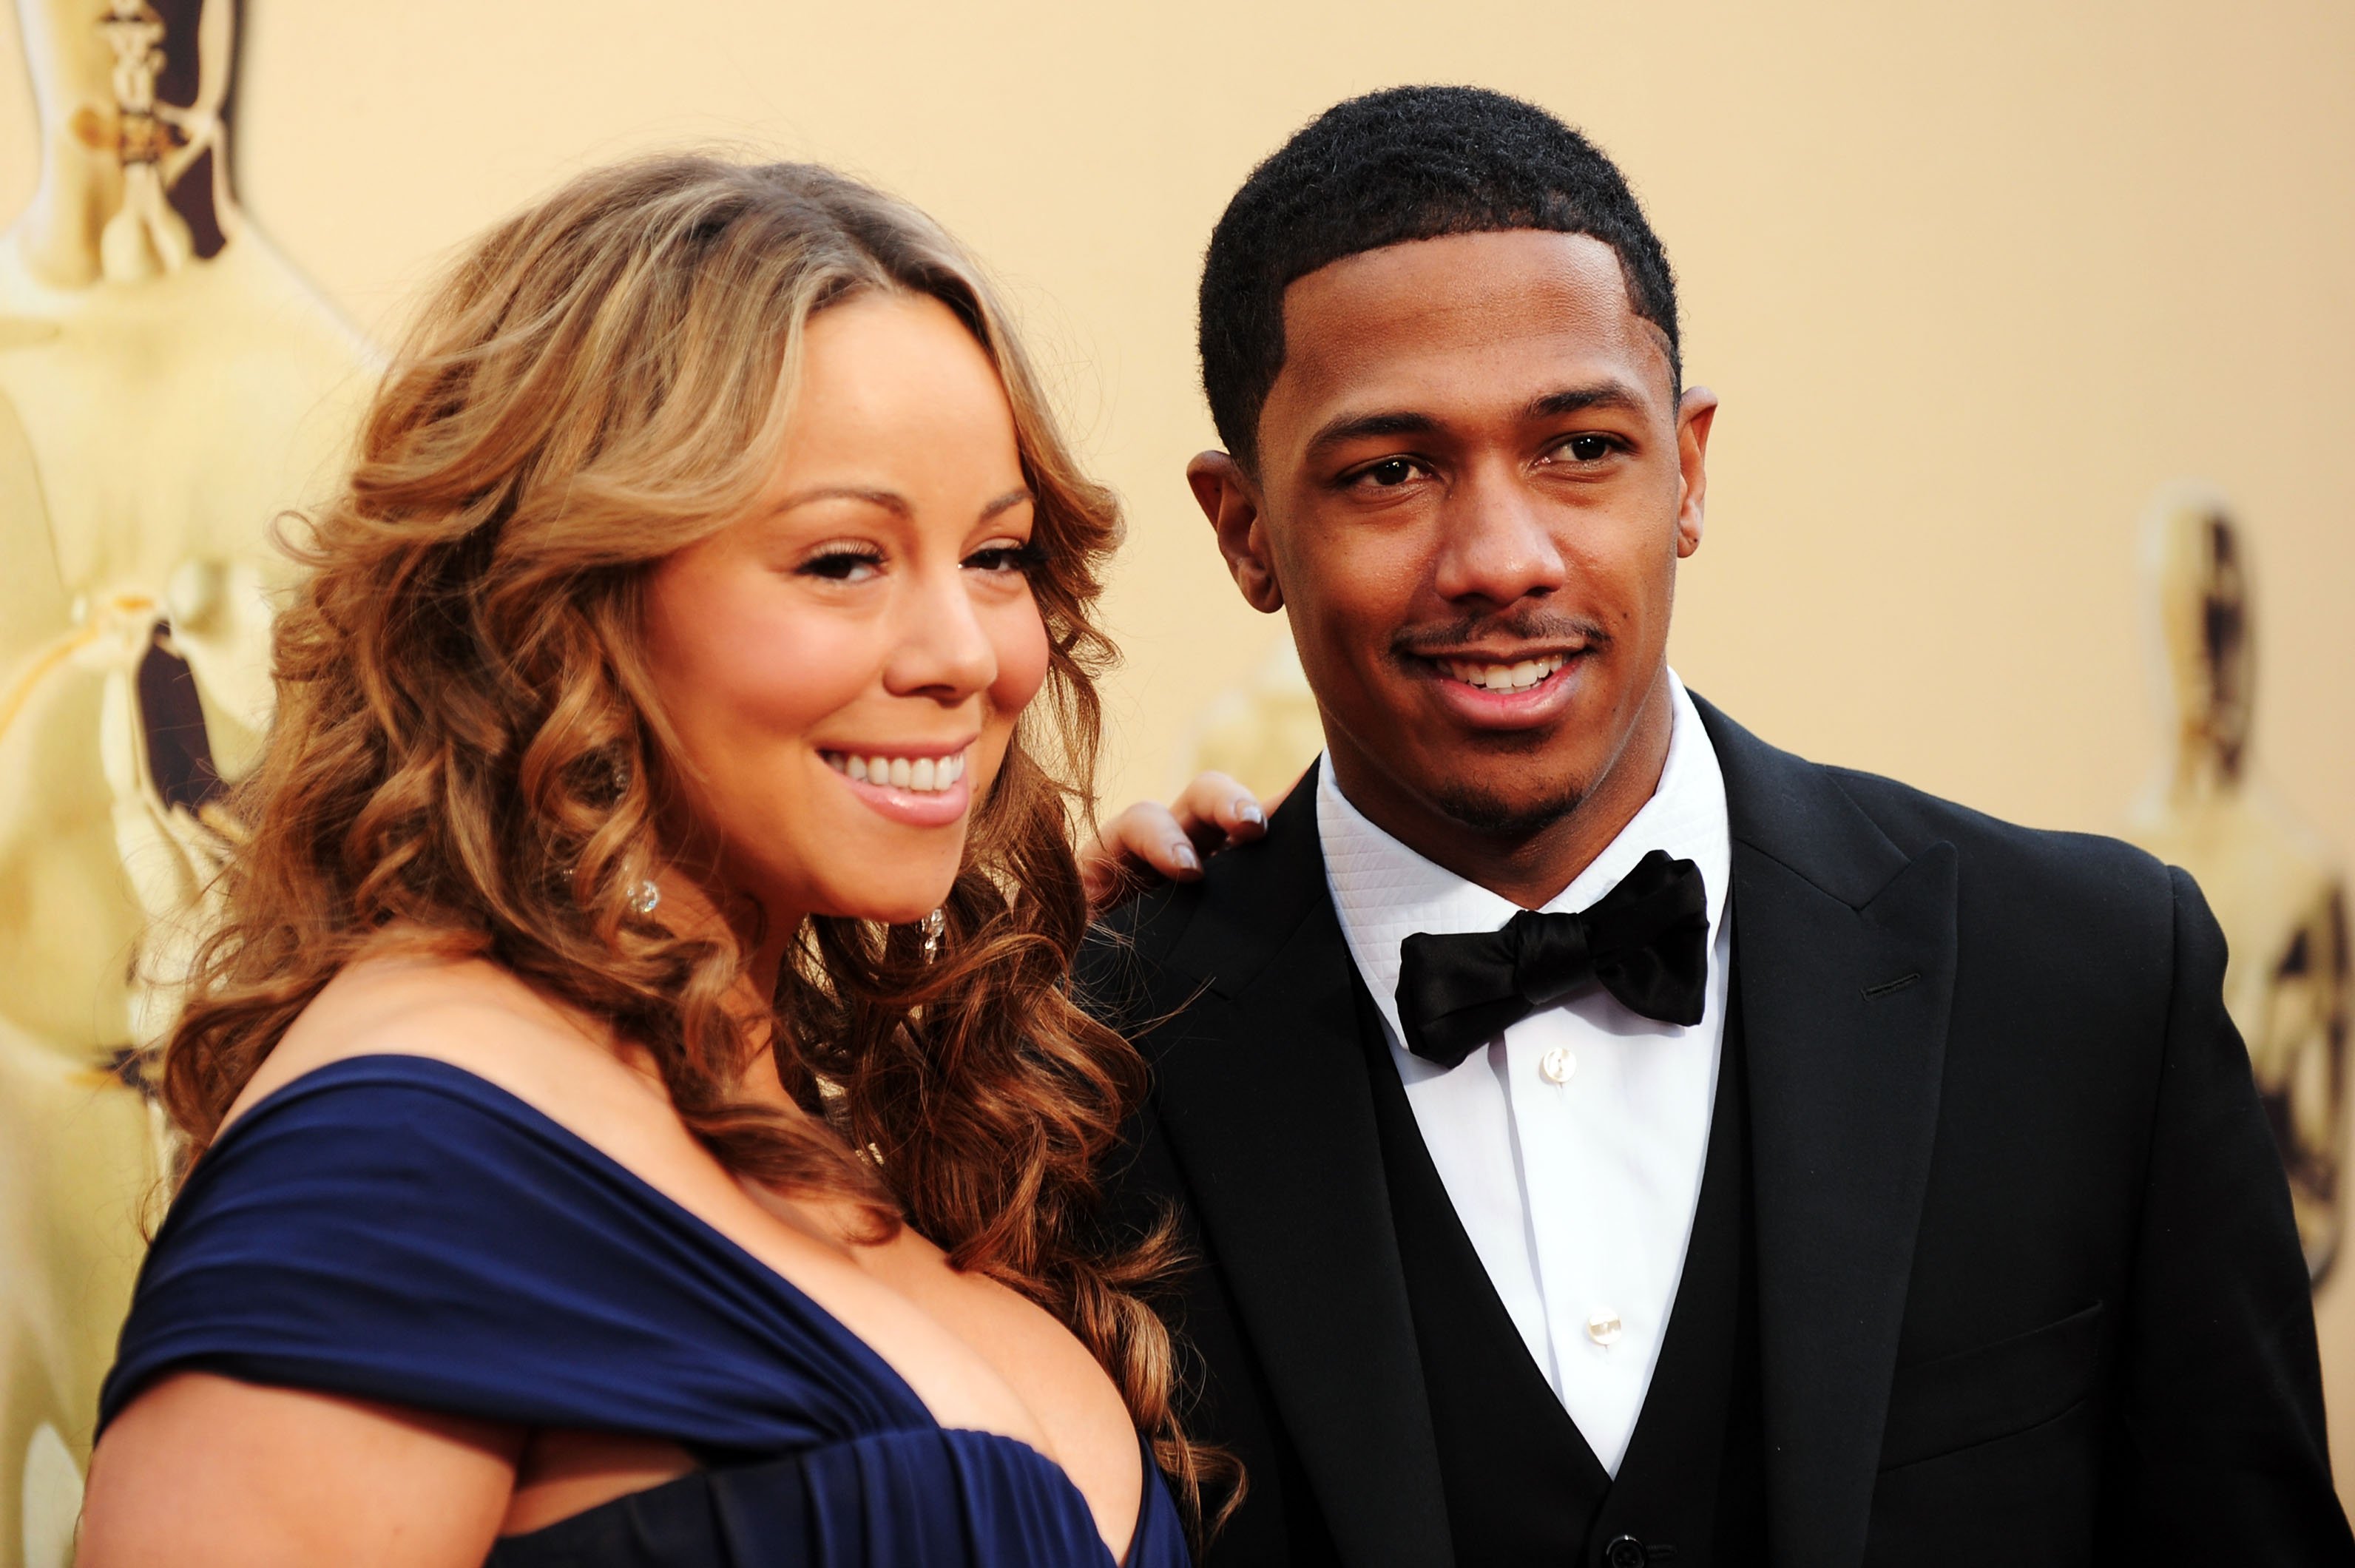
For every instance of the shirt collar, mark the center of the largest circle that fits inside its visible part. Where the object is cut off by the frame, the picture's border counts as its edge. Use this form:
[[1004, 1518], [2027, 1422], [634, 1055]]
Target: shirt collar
[[1384, 892]]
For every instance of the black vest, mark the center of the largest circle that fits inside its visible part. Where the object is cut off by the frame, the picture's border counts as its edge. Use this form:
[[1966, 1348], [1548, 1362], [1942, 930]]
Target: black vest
[[1522, 1487]]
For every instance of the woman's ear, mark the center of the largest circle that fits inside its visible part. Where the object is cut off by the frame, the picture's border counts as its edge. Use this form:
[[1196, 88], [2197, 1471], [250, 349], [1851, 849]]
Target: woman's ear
[[1231, 501]]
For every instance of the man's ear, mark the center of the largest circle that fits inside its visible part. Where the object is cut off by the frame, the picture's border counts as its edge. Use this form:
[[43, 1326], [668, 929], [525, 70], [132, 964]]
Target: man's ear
[[1231, 501], [1696, 412]]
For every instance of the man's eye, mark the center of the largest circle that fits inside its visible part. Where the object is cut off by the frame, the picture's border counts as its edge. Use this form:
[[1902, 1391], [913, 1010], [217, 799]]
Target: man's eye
[[1586, 448], [1391, 473], [843, 565]]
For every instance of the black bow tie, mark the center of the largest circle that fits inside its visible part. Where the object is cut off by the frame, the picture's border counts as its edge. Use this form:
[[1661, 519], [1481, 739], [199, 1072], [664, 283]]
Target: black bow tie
[[1646, 941]]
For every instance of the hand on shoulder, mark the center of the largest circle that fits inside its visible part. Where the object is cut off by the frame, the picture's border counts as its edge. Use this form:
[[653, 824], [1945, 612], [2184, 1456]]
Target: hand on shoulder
[[1149, 842]]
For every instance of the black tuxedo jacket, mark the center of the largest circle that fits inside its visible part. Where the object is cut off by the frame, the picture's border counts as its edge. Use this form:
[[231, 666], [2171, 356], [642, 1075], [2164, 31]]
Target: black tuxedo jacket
[[2027, 1287]]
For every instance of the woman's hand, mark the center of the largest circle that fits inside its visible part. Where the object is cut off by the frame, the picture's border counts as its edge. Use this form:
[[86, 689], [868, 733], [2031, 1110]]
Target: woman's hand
[[1151, 843]]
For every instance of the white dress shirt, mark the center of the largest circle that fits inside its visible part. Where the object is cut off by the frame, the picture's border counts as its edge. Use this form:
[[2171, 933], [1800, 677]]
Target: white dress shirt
[[1573, 1146]]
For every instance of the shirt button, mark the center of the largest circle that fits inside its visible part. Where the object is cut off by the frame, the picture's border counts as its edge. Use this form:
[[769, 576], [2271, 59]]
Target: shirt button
[[1626, 1552], [1558, 1065], [1604, 1328]]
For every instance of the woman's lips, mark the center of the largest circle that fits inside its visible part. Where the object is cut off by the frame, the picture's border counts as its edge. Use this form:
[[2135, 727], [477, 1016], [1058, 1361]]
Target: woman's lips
[[922, 790]]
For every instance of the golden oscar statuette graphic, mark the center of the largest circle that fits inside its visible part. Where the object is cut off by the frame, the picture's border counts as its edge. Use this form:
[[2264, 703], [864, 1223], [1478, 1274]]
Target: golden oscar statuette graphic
[[2277, 891], [168, 386]]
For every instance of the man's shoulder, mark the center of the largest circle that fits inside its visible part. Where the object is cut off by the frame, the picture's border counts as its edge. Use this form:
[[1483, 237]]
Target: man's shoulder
[[1121, 972], [1148, 927], [2074, 891], [1796, 809], [1163, 949], [2082, 898], [1915, 819]]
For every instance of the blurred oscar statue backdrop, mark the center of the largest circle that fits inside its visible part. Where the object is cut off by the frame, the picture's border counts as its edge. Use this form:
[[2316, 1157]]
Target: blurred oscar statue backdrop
[[2031, 324], [2275, 884], [167, 383]]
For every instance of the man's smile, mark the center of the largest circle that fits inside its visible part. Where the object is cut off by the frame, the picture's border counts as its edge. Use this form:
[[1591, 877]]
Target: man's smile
[[1502, 676], [1525, 691]]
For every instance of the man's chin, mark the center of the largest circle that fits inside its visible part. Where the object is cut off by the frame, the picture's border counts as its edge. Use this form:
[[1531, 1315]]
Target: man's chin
[[1499, 814]]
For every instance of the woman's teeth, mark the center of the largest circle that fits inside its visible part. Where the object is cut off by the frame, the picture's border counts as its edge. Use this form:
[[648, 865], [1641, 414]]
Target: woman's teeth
[[1504, 676], [925, 776]]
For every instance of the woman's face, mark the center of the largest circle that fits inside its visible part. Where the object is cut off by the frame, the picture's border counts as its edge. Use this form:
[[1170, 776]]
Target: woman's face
[[843, 664]]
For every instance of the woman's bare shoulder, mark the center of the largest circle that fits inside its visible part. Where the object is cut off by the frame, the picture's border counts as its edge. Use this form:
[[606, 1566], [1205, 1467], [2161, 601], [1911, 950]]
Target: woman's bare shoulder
[[482, 1019], [476, 1016], [203, 1470]]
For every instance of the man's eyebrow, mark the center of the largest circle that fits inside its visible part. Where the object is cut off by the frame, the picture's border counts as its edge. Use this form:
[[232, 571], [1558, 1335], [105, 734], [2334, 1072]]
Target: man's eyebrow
[[1358, 427], [1346, 428], [1614, 395]]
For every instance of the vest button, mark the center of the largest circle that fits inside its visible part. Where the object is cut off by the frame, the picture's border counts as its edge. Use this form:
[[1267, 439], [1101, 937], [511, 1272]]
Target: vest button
[[1626, 1552]]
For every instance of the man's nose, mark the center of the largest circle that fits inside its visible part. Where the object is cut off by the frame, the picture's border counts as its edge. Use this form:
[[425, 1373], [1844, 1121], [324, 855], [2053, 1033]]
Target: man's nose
[[944, 650], [1495, 548]]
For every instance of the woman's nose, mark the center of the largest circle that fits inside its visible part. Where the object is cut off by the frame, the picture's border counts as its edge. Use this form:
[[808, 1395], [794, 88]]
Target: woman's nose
[[944, 650]]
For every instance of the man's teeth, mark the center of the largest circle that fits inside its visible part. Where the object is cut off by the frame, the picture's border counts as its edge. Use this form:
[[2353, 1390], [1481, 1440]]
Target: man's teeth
[[925, 776], [1505, 676]]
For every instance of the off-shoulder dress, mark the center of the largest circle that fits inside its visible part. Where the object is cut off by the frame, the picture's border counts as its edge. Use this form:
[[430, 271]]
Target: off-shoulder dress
[[397, 1229]]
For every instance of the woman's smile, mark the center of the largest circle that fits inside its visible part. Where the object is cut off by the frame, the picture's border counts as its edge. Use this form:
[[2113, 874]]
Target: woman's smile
[[922, 786]]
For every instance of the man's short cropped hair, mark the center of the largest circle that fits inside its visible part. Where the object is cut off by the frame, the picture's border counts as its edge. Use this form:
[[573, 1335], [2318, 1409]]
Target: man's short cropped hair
[[1408, 163]]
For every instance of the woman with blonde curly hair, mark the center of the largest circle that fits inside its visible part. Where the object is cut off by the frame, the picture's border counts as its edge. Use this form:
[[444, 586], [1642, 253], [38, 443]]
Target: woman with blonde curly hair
[[638, 1111]]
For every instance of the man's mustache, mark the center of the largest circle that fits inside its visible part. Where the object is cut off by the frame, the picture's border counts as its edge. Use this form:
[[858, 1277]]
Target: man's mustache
[[1523, 626]]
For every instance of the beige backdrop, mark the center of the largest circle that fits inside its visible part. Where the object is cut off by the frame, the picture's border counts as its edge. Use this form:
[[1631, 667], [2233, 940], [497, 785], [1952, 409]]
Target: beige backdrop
[[1972, 281]]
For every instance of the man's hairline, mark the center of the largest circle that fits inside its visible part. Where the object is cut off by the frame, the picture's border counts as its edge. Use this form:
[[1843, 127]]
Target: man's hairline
[[1670, 347]]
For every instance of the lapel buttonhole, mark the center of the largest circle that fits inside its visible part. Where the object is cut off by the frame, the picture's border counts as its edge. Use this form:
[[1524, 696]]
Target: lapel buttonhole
[[1889, 987]]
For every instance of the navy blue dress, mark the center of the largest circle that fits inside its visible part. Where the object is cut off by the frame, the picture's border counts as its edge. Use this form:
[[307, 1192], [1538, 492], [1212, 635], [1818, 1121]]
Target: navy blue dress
[[394, 1228]]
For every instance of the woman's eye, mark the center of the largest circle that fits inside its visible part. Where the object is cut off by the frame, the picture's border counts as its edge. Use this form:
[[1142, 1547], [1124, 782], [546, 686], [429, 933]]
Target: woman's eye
[[1006, 557], [1586, 448], [1390, 472], [843, 565]]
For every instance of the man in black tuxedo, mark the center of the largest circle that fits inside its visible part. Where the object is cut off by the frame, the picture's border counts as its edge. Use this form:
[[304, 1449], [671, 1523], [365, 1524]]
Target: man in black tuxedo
[[1608, 1138]]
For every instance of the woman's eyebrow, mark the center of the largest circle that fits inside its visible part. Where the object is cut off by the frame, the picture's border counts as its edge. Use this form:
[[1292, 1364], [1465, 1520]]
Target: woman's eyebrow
[[889, 500], [1013, 498]]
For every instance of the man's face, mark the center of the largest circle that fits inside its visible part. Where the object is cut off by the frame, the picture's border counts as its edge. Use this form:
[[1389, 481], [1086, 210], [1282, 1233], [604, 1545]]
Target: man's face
[[1474, 487]]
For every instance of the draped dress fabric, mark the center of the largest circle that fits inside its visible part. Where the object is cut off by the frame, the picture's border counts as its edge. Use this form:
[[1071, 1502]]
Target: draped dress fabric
[[396, 1229]]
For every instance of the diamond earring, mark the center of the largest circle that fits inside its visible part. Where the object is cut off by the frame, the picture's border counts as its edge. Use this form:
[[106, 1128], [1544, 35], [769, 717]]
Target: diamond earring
[[646, 900], [931, 926]]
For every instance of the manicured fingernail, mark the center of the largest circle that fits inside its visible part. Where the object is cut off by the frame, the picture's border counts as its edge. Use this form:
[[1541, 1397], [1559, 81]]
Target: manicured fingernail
[[1184, 855], [1249, 811]]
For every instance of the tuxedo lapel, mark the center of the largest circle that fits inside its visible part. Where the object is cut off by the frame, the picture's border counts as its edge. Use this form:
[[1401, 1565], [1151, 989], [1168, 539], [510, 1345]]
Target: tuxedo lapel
[[1845, 953], [1262, 1092]]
